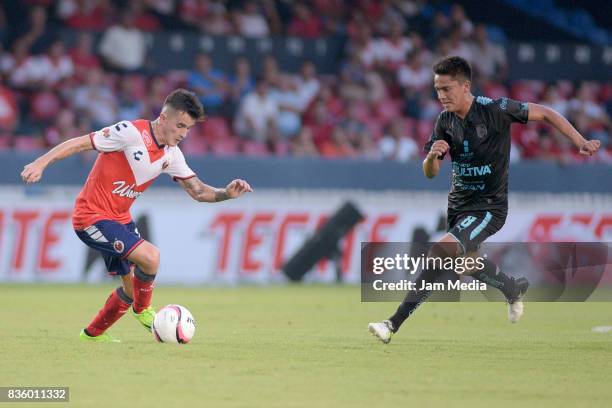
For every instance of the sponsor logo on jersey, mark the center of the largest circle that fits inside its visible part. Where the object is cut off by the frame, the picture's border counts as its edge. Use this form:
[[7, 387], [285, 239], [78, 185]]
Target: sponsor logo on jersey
[[475, 187], [165, 165], [147, 138], [466, 150], [472, 171], [125, 190], [137, 155], [118, 246]]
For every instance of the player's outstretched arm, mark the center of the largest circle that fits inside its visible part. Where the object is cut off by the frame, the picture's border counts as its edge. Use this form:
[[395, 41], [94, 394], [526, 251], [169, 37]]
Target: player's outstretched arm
[[431, 164], [206, 194], [556, 120], [33, 172]]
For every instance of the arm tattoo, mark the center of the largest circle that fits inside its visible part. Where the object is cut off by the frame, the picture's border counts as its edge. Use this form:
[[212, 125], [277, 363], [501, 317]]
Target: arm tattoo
[[194, 187], [204, 193], [221, 195]]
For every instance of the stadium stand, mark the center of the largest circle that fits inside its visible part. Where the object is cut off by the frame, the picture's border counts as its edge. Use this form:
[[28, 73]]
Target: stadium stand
[[64, 73]]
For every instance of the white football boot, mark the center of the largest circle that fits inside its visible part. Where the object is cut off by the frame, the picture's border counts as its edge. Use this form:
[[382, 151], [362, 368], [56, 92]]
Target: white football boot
[[515, 305], [515, 311], [382, 330]]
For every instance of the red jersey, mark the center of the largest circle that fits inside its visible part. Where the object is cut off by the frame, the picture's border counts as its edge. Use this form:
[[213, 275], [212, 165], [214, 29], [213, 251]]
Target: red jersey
[[130, 159]]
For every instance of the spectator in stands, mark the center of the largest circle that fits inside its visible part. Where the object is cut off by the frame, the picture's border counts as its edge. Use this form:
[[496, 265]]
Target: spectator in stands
[[164, 11], [143, 19], [157, 89], [333, 14], [258, 111], [129, 105], [290, 107], [353, 78], [590, 116], [302, 144], [241, 81], [96, 99], [488, 59], [442, 49], [208, 83], [274, 143], [83, 57], [250, 22], [363, 80], [63, 128], [123, 45], [271, 72], [216, 22], [414, 76], [308, 85], [28, 70], [365, 146], [322, 122], [354, 123], [39, 33], [194, 12], [460, 20], [584, 106], [458, 46], [44, 104], [552, 98], [9, 111], [365, 46], [7, 62], [57, 64], [528, 141], [357, 82], [440, 27], [338, 146], [304, 22], [331, 102], [418, 45], [393, 49], [85, 14], [397, 144], [390, 14]]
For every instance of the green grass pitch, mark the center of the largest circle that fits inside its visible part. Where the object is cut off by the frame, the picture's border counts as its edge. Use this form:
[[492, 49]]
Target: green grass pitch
[[307, 346]]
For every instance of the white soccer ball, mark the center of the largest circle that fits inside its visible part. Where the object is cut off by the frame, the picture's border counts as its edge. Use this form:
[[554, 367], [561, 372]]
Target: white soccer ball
[[173, 324]]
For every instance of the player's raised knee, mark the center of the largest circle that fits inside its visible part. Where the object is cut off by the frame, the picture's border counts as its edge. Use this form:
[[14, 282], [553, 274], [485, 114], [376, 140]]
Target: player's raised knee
[[146, 256], [151, 258], [443, 250]]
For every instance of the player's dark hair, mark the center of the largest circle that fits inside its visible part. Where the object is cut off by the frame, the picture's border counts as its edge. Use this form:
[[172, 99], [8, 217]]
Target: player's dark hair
[[186, 101], [456, 67]]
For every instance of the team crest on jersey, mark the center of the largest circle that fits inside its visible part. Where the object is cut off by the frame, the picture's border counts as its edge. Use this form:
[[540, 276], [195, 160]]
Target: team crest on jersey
[[147, 138], [118, 246], [106, 132], [165, 165], [481, 130]]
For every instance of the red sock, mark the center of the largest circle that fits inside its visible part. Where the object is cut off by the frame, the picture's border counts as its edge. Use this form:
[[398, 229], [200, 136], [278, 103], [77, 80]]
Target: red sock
[[116, 305], [143, 290]]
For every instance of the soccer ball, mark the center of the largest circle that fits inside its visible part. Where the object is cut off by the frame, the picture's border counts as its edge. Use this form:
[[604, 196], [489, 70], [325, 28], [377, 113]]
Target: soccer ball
[[173, 324]]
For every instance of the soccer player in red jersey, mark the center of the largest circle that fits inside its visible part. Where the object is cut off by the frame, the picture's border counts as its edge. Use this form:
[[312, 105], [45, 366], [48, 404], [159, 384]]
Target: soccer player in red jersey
[[132, 155]]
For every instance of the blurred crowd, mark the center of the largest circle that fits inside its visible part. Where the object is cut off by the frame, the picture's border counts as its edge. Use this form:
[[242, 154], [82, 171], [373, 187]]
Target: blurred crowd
[[379, 106]]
